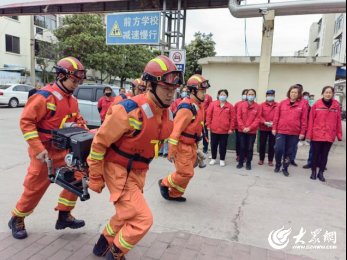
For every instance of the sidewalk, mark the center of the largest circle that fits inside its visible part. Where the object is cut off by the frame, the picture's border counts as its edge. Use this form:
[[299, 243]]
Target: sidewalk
[[154, 246]]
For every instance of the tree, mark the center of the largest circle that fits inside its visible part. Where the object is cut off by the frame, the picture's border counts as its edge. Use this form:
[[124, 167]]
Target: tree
[[45, 53], [84, 37], [201, 47]]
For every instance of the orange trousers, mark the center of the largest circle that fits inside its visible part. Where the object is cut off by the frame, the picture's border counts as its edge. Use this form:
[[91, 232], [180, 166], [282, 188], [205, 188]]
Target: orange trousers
[[133, 217], [36, 183], [184, 162]]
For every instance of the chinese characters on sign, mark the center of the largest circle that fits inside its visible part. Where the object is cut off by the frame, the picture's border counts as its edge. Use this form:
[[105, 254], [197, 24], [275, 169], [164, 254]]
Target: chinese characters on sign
[[133, 28]]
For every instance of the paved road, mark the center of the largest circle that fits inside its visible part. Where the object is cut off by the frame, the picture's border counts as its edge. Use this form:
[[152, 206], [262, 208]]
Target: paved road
[[233, 206]]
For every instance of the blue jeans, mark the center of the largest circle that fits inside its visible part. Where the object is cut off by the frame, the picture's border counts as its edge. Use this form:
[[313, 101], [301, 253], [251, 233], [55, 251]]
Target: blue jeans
[[295, 152], [165, 149], [284, 148]]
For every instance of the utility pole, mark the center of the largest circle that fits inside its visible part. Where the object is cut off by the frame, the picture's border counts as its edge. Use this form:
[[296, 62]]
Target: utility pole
[[32, 51], [266, 52]]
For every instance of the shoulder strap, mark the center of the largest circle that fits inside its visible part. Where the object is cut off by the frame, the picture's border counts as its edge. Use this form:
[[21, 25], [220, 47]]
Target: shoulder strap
[[44, 93], [187, 106], [129, 105]]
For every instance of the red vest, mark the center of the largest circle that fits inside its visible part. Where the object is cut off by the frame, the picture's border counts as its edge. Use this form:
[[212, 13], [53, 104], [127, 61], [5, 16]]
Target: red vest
[[63, 109], [137, 151], [192, 134]]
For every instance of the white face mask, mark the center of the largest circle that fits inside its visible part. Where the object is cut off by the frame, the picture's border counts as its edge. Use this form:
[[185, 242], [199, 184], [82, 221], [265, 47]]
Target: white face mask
[[244, 97], [223, 98], [270, 98]]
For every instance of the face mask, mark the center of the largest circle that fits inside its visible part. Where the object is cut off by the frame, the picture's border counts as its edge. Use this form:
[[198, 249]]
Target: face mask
[[311, 102], [184, 94], [108, 94], [306, 97], [270, 99], [244, 97], [250, 98], [223, 98]]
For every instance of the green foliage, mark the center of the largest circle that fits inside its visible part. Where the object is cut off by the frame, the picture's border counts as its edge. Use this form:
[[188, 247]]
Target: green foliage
[[201, 47], [84, 37]]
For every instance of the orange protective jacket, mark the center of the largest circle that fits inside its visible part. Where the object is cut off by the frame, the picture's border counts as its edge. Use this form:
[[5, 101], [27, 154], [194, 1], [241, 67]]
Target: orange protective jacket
[[189, 122], [138, 129], [50, 108]]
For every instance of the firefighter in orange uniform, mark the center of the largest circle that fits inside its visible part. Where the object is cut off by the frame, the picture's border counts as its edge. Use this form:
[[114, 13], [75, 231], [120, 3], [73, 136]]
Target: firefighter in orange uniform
[[188, 127], [122, 150], [49, 108]]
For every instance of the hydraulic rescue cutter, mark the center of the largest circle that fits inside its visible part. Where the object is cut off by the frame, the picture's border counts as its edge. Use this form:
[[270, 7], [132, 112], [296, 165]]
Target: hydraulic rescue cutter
[[78, 142]]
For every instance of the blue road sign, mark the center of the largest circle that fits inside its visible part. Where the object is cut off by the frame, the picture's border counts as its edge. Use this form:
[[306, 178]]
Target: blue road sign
[[133, 28]]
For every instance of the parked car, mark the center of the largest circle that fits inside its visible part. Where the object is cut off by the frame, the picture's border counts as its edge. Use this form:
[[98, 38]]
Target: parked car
[[87, 96], [14, 95]]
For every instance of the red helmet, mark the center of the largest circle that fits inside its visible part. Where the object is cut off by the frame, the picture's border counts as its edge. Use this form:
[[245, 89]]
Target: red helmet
[[162, 70], [198, 82], [140, 84], [71, 67]]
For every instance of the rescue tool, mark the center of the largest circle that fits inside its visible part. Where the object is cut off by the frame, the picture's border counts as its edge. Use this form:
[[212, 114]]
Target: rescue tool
[[78, 142]]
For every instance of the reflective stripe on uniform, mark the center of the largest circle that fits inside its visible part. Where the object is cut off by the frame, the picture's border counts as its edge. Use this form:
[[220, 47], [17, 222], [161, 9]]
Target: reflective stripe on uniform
[[148, 111], [110, 230], [156, 148], [161, 64], [18, 213], [96, 156], [66, 118], [31, 135], [171, 115], [137, 125], [197, 78], [51, 106], [66, 202], [172, 141], [124, 243], [180, 189]]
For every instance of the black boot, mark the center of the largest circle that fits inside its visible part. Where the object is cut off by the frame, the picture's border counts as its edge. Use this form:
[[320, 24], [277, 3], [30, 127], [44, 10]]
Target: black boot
[[16, 224], [164, 191], [115, 253], [101, 247], [285, 172], [321, 176], [248, 166], [307, 166], [277, 168], [239, 166], [314, 174], [66, 220]]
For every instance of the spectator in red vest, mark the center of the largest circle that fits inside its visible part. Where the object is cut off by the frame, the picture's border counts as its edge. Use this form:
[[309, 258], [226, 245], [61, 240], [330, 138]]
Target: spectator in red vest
[[220, 122], [323, 129], [266, 121], [105, 102], [183, 94], [290, 124], [248, 118]]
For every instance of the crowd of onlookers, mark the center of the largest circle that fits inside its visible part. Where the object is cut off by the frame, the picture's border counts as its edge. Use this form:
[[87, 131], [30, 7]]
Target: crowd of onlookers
[[279, 126]]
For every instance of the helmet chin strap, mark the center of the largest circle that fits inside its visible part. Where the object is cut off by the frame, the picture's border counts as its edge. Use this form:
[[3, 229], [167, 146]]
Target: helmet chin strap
[[154, 92], [195, 94], [63, 88]]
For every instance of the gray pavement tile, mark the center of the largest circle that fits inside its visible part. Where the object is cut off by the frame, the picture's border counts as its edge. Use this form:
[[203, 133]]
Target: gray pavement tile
[[61, 254], [31, 250], [156, 250], [166, 237], [54, 247], [276, 255], [137, 253], [195, 242], [83, 252], [258, 253], [168, 256], [8, 252], [188, 254], [148, 240], [48, 239]]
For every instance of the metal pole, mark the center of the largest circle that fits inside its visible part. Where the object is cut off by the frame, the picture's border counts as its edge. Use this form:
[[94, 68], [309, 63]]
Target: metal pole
[[179, 4], [184, 25], [32, 51], [163, 29], [266, 52]]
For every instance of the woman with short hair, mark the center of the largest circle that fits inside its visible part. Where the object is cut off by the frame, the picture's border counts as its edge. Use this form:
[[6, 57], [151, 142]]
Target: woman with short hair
[[323, 129], [290, 124], [220, 122]]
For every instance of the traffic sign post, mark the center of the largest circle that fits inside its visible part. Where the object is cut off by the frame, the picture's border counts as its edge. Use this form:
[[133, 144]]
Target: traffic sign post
[[133, 28], [179, 58]]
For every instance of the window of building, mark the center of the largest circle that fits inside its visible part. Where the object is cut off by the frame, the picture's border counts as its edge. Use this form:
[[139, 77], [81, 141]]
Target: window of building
[[39, 31], [339, 23], [337, 47], [12, 44], [45, 50], [14, 17], [46, 21]]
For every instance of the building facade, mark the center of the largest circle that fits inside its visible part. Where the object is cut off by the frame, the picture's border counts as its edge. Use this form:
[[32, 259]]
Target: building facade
[[16, 42]]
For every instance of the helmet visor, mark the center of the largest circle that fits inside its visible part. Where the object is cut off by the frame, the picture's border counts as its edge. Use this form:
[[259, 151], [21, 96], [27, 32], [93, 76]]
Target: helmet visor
[[80, 74], [173, 78], [205, 84]]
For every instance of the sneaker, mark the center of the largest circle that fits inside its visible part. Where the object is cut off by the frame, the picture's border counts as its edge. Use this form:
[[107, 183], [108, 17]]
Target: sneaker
[[261, 162], [222, 163], [212, 162]]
